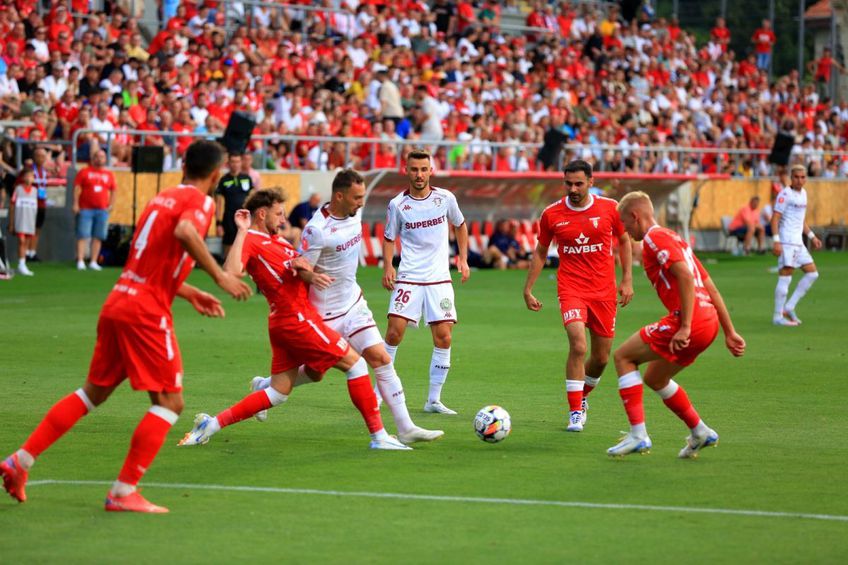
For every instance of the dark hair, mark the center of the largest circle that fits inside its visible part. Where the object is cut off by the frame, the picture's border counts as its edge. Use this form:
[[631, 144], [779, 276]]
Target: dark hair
[[346, 179], [264, 198], [202, 158], [418, 154], [578, 165]]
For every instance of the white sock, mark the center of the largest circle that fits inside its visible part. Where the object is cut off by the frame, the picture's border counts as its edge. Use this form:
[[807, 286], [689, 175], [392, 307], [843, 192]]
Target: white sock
[[439, 367], [30, 254], [780, 292], [592, 381], [392, 391], [25, 458], [22, 262], [668, 390], [701, 429], [213, 427], [801, 289], [121, 489], [638, 430], [275, 397], [359, 369], [391, 350], [380, 434]]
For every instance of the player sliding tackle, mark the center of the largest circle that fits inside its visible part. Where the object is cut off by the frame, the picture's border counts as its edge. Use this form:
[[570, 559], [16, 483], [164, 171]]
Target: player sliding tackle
[[331, 242], [695, 310], [298, 334], [135, 335]]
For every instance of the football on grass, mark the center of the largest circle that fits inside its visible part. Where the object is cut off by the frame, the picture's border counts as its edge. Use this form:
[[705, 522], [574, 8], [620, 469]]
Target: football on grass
[[492, 424]]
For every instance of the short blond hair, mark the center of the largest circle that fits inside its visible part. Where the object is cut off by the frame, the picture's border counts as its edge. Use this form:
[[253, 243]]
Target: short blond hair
[[633, 199], [801, 168]]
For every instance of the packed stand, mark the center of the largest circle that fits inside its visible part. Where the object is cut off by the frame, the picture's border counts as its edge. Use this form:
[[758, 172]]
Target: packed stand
[[442, 71]]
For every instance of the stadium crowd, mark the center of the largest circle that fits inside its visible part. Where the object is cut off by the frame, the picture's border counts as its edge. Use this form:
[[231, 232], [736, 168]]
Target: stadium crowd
[[430, 71]]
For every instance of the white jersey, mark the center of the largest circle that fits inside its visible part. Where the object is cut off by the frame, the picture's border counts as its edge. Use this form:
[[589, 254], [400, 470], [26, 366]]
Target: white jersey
[[422, 225], [332, 245], [792, 205]]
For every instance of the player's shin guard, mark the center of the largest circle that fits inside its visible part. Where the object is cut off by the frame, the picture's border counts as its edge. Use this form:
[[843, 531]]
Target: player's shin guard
[[803, 286], [58, 420], [250, 405], [589, 384], [362, 396], [678, 402], [146, 441], [391, 390], [780, 292], [440, 364], [574, 392], [630, 391]]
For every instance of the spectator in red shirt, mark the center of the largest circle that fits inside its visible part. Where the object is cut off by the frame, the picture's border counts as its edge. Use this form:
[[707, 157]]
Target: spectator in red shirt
[[764, 40], [94, 190], [720, 34], [822, 68]]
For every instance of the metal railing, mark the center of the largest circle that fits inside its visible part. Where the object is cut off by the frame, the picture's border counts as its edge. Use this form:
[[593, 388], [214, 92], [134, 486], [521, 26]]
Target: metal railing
[[610, 158]]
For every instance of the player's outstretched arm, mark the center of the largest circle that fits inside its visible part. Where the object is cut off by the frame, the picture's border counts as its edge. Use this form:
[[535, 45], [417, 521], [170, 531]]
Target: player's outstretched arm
[[205, 303], [686, 287], [625, 253], [389, 273], [734, 342], [536, 264], [187, 235], [462, 246], [233, 263], [777, 247]]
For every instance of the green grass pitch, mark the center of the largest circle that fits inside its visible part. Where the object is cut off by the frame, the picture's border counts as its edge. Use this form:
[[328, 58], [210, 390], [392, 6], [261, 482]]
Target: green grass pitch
[[780, 411]]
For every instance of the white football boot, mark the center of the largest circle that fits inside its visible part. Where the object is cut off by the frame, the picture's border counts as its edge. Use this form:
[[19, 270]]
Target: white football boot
[[630, 444], [436, 407], [390, 443], [575, 421], [417, 434], [199, 434], [694, 444]]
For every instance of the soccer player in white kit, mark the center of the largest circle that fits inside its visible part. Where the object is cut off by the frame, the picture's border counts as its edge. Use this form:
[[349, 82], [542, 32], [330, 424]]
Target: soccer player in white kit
[[788, 225], [331, 241], [419, 216]]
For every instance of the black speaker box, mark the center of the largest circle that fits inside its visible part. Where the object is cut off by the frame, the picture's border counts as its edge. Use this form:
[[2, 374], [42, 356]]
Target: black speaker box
[[781, 150], [148, 158], [238, 132]]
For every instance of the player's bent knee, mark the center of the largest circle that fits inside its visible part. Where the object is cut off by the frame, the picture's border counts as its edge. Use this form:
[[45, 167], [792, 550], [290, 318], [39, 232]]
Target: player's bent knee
[[376, 356]]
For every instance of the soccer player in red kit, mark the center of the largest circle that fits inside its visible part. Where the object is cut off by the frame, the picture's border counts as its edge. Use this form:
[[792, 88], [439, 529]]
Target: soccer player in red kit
[[135, 332], [585, 228], [695, 310], [298, 334]]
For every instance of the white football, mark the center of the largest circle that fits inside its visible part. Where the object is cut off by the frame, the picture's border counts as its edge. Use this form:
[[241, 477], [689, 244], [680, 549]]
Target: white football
[[492, 424]]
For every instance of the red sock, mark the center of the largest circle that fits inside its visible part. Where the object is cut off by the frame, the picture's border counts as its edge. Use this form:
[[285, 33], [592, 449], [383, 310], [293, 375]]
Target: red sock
[[680, 405], [58, 420], [632, 399], [587, 388], [249, 405], [575, 400], [146, 441], [365, 400]]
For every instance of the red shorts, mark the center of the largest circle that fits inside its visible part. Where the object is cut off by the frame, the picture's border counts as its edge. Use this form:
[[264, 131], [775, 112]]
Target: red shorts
[[299, 340], [145, 350], [658, 337], [598, 315]]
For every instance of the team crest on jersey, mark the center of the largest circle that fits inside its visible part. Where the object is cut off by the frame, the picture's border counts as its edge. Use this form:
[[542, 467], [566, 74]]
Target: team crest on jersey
[[581, 239], [446, 304], [662, 256], [595, 220], [437, 202]]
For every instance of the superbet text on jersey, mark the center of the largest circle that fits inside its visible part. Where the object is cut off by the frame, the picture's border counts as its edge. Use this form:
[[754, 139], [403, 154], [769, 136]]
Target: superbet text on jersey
[[422, 225], [584, 238], [333, 243]]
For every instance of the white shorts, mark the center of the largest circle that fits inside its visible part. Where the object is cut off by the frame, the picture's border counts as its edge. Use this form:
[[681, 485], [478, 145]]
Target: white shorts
[[794, 256], [357, 326], [435, 301]]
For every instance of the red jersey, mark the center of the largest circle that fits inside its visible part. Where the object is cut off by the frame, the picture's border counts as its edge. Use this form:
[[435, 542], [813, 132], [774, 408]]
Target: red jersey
[[267, 260], [95, 185], [585, 245], [763, 40], [662, 248], [158, 264]]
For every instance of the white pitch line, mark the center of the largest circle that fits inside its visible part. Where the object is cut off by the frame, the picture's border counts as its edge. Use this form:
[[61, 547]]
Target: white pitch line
[[480, 500]]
